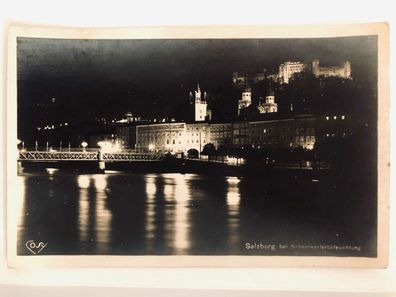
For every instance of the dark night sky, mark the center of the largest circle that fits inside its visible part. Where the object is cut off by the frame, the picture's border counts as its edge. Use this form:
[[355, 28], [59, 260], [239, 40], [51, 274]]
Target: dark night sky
[[109, 77]]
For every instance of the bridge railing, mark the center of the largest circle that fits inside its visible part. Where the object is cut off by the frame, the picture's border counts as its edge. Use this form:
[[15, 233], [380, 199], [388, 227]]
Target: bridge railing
[[86, 155]]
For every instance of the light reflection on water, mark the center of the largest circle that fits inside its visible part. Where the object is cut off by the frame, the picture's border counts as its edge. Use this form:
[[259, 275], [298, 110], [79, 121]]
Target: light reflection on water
[[233, 203], [150, 217], [182, 197], [174, 214], [103, 215], [20, 199], [164, 219], [93, 216], [83, 208]]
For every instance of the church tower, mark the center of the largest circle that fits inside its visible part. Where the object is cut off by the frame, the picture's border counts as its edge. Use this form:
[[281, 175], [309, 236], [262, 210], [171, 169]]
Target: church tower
[[269, 105], [200, 105], [246, 99]]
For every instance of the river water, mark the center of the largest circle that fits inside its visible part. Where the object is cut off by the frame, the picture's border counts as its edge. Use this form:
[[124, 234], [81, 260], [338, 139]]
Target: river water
[[180, 214]]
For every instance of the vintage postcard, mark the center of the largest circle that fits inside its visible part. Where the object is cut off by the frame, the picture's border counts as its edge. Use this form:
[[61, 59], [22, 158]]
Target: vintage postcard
[[198, 146]]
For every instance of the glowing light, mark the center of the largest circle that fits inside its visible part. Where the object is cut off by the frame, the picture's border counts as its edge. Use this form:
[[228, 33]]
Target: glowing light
[[83, 208], [335, 117], [181, 194], [51, 171], [327, 118], [84, 144], [343, 117], [151, 147], [100, 181], [109, 146], [233, 203], [19, 141], [232, 160], [168, 191], [151, 189], [102, 214], [83, 181]]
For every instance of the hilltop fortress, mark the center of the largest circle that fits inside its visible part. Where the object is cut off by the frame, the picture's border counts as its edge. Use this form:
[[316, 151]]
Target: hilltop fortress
[[288, 69]]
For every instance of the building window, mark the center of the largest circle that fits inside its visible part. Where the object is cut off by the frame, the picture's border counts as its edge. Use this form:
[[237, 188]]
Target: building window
[[343, 117], [197, 141], [173, 141]]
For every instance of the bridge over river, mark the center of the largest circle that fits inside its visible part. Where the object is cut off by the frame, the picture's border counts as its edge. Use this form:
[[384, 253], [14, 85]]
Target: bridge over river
[[84, 157]]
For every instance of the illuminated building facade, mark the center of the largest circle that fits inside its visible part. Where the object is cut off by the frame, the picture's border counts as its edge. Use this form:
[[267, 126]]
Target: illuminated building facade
[[297, 131], [288, 69], [199, 104], [344, 70], [163, 137], [246, 100], [269, 105], [197, 135]]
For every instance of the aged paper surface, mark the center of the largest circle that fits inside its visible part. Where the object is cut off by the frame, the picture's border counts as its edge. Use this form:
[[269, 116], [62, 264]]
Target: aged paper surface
[[32, 251]]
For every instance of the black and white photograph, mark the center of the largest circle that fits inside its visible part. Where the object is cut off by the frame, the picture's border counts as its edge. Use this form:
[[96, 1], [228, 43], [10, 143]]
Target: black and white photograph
[[197, 147]]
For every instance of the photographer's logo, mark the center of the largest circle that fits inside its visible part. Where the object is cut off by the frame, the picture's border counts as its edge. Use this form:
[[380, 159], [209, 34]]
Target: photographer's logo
[[35, 248]]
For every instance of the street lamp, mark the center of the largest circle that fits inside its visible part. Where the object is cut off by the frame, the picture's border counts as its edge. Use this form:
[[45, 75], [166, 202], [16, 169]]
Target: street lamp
[[19, 142], [84, 144]]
